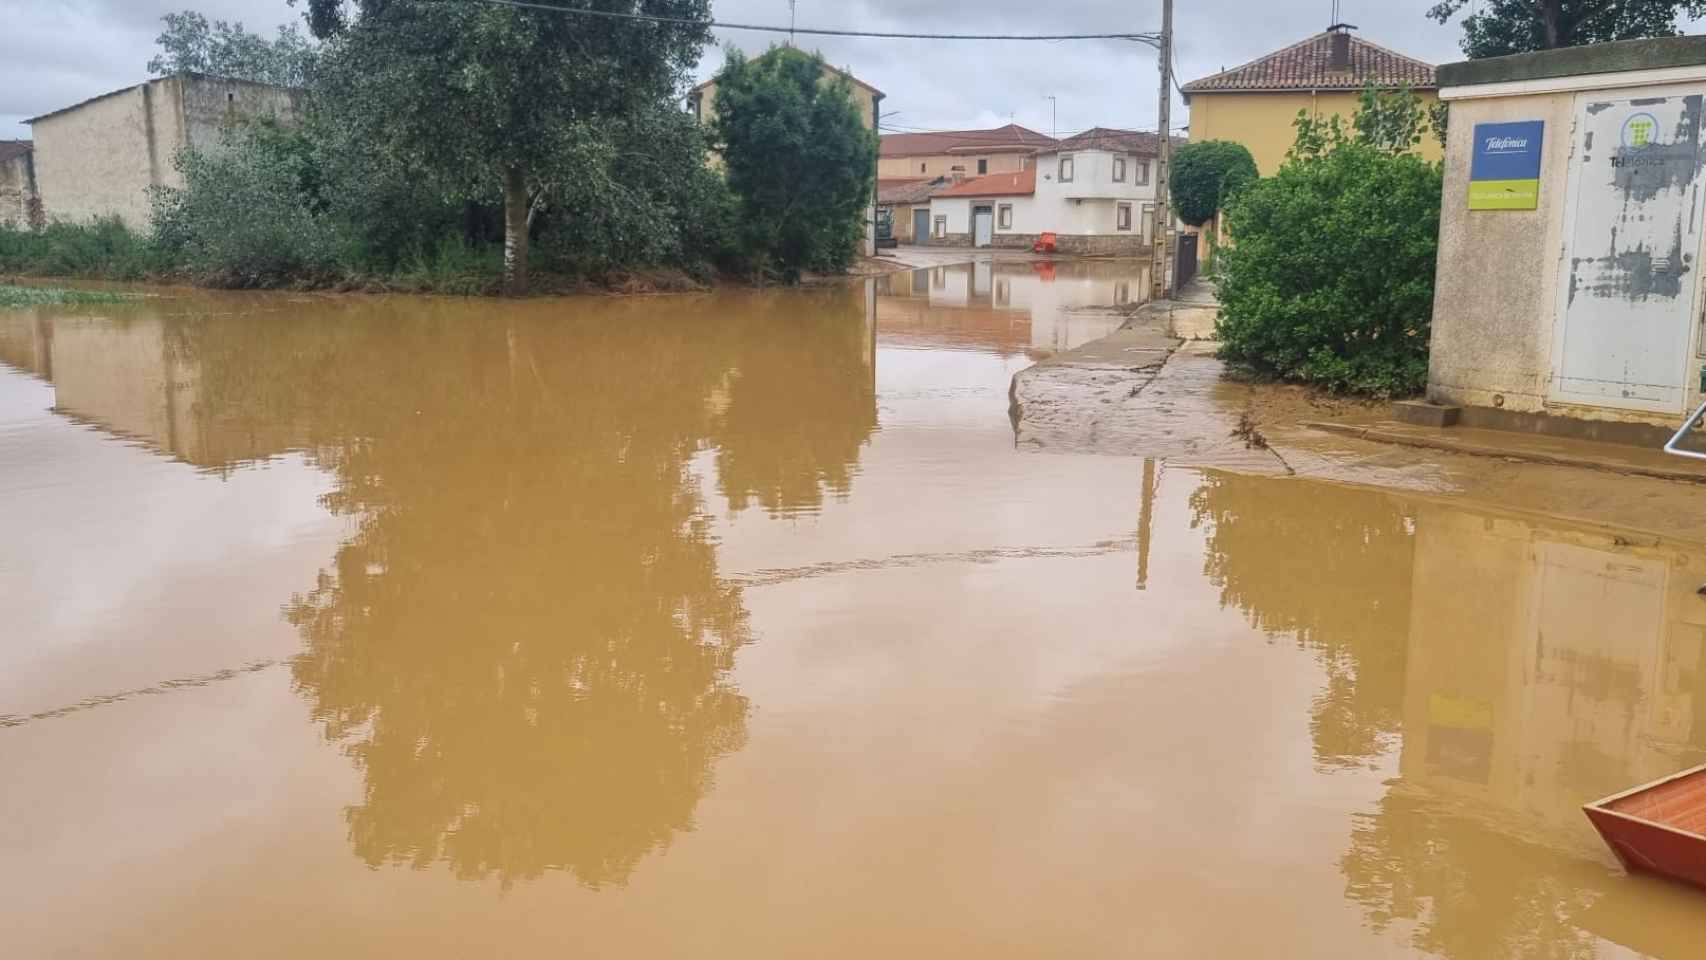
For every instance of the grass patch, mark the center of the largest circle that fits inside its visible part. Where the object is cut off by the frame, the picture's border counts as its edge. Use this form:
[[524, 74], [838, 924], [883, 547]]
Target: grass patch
[[12, 296]]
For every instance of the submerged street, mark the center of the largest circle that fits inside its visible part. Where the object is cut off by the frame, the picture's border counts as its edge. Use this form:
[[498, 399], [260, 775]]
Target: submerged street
[[752, 624]]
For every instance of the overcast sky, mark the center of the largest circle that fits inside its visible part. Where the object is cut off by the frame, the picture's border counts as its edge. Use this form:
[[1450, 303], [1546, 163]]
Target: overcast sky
[[56, 52]]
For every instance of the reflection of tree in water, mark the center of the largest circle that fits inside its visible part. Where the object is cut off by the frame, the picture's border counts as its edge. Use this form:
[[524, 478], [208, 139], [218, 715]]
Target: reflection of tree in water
[[525, 643], [1333, 571], [798, 407], [525, 646]]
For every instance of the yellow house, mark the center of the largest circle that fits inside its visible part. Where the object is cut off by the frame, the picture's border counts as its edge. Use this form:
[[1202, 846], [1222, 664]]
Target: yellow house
[[1257, 103]]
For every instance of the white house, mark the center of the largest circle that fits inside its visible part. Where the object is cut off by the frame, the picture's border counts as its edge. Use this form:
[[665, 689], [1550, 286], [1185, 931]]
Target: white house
[[1095, 192]]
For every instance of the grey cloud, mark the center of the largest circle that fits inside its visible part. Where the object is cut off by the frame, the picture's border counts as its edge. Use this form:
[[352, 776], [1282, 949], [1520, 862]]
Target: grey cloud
[[56, 52]]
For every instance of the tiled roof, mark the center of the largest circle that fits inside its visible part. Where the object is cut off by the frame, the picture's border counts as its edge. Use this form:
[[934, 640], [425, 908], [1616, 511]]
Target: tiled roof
[[1008, 139], [11, 149], [1116, 141], [1023, 183], [1307, 65], [908, 191]]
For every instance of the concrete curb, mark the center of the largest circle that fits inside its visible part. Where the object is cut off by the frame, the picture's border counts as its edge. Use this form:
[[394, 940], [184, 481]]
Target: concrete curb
[[1376, 434]]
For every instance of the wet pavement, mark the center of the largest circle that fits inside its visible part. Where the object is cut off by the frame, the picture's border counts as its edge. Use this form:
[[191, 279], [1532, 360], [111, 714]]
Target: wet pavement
[[750, 624]]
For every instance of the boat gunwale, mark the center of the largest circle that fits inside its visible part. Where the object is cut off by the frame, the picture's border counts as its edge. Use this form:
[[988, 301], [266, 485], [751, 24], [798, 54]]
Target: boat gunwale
[[1603, 805]]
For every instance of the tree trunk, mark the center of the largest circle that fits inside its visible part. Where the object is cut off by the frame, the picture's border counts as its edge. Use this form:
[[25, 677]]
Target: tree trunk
[[515, 232], [1552, 23]]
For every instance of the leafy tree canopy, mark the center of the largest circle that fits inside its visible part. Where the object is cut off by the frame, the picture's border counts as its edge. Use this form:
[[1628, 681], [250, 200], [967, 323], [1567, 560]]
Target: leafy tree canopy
[[1205, 173], [1501, 27], [799, 157], [193, 44], [484, 97]]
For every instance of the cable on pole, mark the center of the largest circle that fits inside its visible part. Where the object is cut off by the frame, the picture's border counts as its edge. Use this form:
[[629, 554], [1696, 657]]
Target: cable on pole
[[1152, 39]]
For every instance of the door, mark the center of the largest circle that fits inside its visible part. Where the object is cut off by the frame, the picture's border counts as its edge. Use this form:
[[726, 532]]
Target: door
[[983, 226], [920, 224], [1632, 226]]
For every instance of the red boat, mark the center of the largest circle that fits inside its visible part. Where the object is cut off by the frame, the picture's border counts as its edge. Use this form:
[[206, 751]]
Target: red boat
[[1659, 828]]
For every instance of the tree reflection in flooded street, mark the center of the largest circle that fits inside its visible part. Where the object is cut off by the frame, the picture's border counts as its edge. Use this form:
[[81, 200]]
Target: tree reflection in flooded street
[[735, 625]]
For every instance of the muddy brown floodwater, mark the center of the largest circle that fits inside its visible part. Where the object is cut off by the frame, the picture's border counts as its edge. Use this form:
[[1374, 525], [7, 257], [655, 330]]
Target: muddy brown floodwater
[[737, 625]]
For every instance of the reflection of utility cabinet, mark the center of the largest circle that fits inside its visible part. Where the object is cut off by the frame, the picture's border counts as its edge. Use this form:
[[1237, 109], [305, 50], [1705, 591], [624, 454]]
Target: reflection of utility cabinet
[[1547, 666]]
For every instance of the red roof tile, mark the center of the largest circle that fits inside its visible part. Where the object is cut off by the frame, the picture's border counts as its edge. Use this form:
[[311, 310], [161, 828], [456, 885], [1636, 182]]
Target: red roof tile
[[1023, 183], [1009, 139], [1307, 65]]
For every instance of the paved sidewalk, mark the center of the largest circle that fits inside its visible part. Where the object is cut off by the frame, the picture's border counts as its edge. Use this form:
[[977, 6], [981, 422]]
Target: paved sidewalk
[[1145, 391]]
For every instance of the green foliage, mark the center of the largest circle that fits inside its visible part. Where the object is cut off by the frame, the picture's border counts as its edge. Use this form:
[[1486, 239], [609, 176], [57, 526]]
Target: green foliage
[[635, 191], [475, 98], [13, 296], [191, 43], [242, 217], [1499, 27], [1205, 174], [1395, 121], [103, 248], [1330, 275], [799, 158]]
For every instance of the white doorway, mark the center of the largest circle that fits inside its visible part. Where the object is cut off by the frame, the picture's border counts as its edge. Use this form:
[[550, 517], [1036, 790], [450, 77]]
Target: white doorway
[[1632, 228], [983, 226]]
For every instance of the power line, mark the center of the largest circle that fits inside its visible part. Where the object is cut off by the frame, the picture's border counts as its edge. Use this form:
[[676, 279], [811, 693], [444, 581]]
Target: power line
[[1150, 38]]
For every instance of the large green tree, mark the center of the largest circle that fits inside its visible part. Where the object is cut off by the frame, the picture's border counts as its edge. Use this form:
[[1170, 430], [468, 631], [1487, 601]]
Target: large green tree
[[1502, 27], [1205, 174], [191, 43], [799, 157], [485, 97]]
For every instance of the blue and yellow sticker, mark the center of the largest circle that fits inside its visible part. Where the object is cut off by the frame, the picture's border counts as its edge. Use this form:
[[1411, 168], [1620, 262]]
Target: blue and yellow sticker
[[1505, 171]]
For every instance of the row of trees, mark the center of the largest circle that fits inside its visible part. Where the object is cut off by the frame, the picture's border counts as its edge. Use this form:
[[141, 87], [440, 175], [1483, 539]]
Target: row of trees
[[459, 141]]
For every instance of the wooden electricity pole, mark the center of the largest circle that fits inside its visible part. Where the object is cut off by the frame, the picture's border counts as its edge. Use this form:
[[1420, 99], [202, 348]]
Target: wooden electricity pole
[[1161, 272]]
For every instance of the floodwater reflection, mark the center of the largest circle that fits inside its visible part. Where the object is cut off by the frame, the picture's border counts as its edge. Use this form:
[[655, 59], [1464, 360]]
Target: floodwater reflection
[[1517, 669], [743, 611], [1015, 306]]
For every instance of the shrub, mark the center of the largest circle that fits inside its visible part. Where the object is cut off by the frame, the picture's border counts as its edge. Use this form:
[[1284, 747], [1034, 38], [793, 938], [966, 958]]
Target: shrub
[[242, 217], [103, 248], [1329, 277], [1205, 175]]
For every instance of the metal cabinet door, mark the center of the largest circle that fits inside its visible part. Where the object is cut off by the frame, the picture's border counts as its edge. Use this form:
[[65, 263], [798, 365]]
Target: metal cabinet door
[[1632, 228]]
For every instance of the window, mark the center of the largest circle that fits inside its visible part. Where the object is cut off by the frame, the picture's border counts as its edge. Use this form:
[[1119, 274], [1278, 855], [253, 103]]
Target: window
[[1143, 173], [982, 166], [1004, 216], [1065, 169], [1119, 169], [1122, 216], [941, 227], [923, 167]]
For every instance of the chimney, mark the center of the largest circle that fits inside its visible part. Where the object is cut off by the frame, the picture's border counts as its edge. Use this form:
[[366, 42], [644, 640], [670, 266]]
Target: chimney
[[1340, 36]]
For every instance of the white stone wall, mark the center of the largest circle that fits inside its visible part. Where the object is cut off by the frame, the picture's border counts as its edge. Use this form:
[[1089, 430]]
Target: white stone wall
[[99, 158]]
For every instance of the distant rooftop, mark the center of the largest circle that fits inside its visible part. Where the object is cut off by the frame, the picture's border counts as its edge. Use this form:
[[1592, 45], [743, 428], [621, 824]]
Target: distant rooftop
[[1018, 184], [12, 149], [1116, 141], [1308, 65], [1011, 138]]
